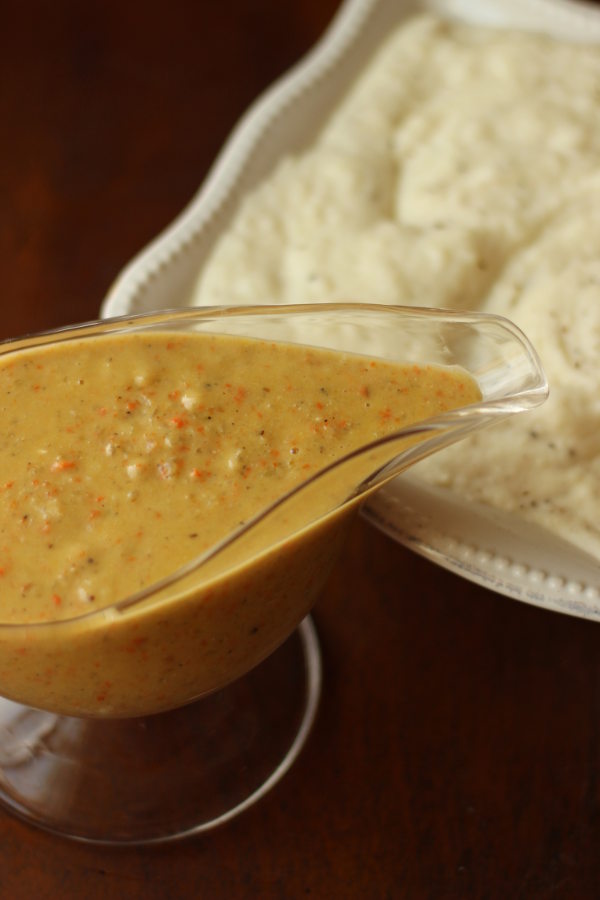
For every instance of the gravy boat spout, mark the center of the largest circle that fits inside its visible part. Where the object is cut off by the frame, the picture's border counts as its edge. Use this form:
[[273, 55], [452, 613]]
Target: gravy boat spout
[[218, 616]]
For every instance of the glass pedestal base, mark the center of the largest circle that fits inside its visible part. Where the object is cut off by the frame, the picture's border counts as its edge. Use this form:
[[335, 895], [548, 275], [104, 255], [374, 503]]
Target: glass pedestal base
[[163, 777]]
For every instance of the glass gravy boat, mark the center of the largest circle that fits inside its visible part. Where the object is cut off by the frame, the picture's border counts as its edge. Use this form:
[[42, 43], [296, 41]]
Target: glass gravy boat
[[208, 624]]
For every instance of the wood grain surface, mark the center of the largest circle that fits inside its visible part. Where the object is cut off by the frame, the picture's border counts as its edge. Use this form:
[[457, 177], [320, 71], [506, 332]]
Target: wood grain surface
[[457, 748]]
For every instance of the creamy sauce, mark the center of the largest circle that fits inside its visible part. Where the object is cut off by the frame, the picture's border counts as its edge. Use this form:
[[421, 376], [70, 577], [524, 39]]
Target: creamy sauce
[[125, 457], [462, 170]]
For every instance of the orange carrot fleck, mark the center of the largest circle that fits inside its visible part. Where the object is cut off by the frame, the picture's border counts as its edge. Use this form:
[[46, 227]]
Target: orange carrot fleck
[[59, 465]]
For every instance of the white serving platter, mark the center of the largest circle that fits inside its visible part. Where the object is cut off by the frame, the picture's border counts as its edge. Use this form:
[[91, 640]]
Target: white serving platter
[[497, 550]]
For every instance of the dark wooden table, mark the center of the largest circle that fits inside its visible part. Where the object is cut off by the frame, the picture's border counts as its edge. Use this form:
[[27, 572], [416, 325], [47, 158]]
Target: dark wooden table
[[457, 749]]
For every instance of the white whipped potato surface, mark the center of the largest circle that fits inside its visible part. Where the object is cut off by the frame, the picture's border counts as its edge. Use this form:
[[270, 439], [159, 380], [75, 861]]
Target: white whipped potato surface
[[463, 171]]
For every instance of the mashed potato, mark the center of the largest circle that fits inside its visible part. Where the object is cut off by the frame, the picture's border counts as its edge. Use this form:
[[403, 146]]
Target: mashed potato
[[462, 170]]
